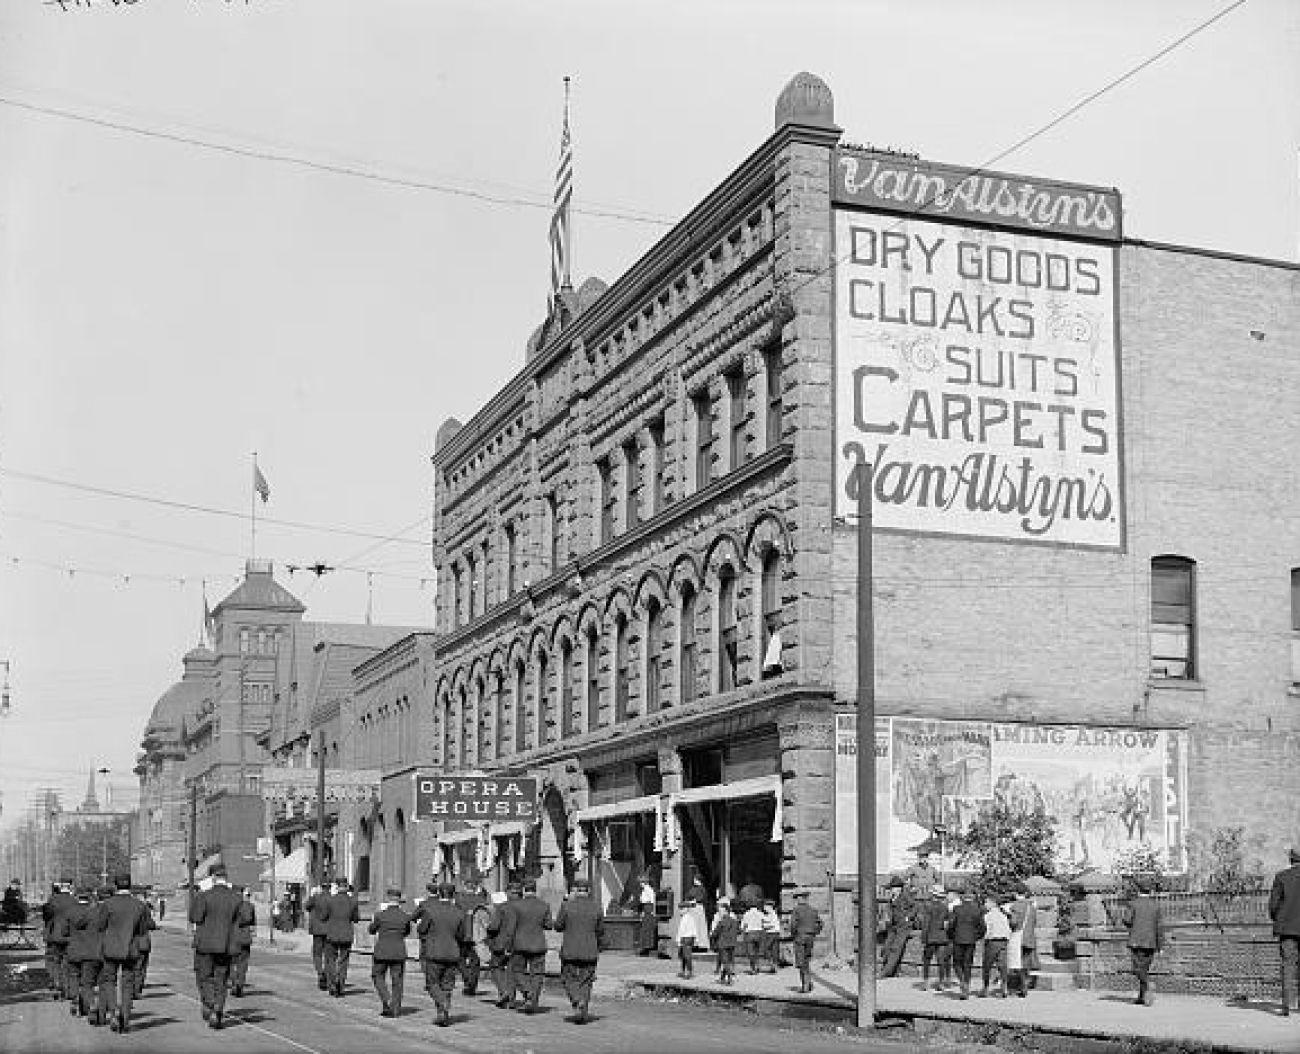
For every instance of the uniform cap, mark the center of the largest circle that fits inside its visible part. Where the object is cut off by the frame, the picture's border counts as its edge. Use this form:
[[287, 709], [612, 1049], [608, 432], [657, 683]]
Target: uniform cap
[[394, 893], [432, 887], [530, 886], [894, 883], [514, 887], [447, 889], [801, 893], [581, 885]]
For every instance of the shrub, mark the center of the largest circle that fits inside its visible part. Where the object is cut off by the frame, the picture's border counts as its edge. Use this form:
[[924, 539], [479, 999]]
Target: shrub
[[1007, 846]]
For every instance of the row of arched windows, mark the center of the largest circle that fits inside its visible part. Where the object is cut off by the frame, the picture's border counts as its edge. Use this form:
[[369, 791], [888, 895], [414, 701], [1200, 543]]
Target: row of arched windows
[[677, 636]]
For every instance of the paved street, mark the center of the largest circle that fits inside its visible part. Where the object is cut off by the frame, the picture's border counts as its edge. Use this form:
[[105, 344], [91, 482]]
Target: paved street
[[283, 1010]]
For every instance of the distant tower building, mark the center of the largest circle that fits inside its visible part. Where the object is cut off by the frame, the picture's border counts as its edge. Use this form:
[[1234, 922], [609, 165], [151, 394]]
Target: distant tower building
[[91, 804]]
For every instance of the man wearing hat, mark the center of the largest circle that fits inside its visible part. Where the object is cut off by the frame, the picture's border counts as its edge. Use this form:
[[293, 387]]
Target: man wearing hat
[[805, 925], [966, 928], [81, 924], [56, 946], [388, 963], [442, 929], [213, 914], [580, 921], [532, 920], [921, 877], [471, 898], [315, 909], [898, 930], [1145, 938], [245, 921], [340, 913], [123, 921], [501, 940], [1284, 910]]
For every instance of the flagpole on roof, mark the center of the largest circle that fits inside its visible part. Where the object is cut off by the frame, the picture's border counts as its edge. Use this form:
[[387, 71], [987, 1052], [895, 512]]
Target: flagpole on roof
[[561, 247], [252, 505]]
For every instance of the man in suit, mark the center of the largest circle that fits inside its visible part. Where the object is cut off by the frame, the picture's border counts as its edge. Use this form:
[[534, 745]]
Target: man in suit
[[1145, 938], [532, 920], [81, 924], [144, 945], [56, 945], [580, 920], [340, 913], [805, 925], [215, 942], [898, 931], [442, 931], [388, 962], [501, 941], [469, 899], [245, 920], [966, 928], [1284, 910], [315, 908], [122, 922]]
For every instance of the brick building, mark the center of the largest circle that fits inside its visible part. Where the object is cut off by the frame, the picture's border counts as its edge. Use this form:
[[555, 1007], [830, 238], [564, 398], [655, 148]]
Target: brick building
[[1088, 534]]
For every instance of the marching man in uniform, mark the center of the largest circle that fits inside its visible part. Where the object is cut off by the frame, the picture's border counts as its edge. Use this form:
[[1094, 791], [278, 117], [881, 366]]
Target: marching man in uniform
[[805, 924], [391, 925], [442, 930], [213, 913], [583, 927], [245, 921], [532, 920], [501, 942], [315, 908], [123, 921]]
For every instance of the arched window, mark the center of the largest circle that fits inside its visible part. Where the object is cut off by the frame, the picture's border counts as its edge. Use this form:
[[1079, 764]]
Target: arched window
[[465, 720], [622, 670], [728, 639], [566, 688], [593, 680], [542, 707], [770, 616], [482, 725], [521, 726], [471, 587], [687, 645], [653, 653], [1173, 618], [448, 735], [499, 729]]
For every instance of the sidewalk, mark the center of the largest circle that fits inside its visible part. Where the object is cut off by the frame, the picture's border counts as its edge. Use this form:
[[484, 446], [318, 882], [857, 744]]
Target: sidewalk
[[1196, 1021]]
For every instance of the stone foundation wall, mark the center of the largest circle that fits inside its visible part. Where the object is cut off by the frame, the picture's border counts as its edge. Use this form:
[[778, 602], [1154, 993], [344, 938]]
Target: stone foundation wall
[[1195, 961]]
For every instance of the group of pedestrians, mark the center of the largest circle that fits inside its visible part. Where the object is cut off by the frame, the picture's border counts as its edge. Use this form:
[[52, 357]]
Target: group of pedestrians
[[515, 930], [97, 946]]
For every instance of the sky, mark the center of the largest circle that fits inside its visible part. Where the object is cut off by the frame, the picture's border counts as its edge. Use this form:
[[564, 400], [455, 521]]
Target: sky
[[316, 229]]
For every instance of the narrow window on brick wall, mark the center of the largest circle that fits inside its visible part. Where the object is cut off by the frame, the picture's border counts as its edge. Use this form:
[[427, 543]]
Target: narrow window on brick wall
[[772, 372], [736, 418], [542, 705], [553, 529], [653, 654], [728, 641], [631, 483], [566, 689], [448, 735], [512, 559], [593, 681], [458, 586], [471, 588], [499, 725], [687, 645], [703, 406], [465, 753], [1173, 618], [770, 590], [243, 641], [485, 564], [622, 670], [1295, 626], [521, 726], [606, 483], [656, 466], [482, 725]]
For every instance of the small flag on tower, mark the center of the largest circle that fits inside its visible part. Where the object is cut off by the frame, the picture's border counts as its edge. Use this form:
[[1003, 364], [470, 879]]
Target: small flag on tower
[[260, 485], [560, 219]]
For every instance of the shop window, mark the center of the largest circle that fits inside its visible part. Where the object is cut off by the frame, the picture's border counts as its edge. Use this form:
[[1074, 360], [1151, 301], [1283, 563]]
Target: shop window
[[688, 645], [631, 484], [593, 681], [1173, 618], [566, 689], [622, 671], [606, 482], [656, 466], [654, 654], [703, 407], [728, 644], [702, 768], [772, 372], [736, 418]]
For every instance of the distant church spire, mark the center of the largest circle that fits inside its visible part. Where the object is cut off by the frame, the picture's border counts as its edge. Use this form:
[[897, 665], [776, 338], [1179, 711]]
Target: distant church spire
[[91, 804]]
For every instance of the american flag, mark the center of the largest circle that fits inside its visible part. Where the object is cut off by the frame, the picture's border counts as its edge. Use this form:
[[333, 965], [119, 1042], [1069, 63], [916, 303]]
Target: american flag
[[560, 247]]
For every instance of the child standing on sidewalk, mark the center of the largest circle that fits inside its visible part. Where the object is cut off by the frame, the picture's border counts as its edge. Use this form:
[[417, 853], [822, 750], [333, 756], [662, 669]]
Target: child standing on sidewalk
[[997, 932], [726, 930], [688, 932], [751, 930], [771, 938]]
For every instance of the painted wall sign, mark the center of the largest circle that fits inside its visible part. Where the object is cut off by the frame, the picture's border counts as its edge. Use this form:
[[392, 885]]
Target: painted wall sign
[[1107, 789], [977, 371], [902, 184], [475, 797], [354, 786]]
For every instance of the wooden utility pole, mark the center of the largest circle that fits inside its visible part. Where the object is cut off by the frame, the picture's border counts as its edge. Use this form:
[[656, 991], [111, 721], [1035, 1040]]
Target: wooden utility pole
[[192, 850], [866, 747], [320, 811]]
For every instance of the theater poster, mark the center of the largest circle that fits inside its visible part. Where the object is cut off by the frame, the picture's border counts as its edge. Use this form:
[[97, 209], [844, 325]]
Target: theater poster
[[1107, 789]]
